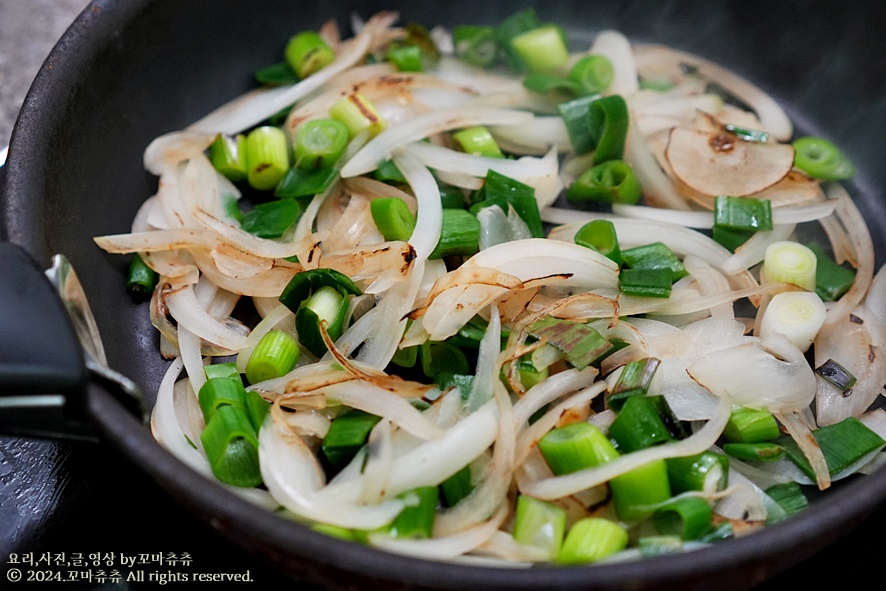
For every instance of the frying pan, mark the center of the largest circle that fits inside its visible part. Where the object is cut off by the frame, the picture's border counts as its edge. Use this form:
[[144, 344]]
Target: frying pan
[[126, 72]]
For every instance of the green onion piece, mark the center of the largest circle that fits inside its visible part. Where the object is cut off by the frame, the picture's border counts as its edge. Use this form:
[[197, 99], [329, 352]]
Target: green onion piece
[[307, 52], [218, 392], [755, 452], [634, 380], [319, 143], [392, 218], [358, 113], [724, 531], [707, 472], [592, 539], [475, 44], [445, 380], [451, 197], [634, 493], [228, 156], [267, 157], [335, 531], [460, 235], [437, 356], [406, 58], [658, 83], [418, 35], [221, 370], [609, 124], [405, 357], [638, 425], [275, 355], [730, 239], [687, 517], [836, 374], [504, 191], [552, 84], [231, 447], [457, 486], [593, 73], [575, 114], [789, 262], [582, 344], [299, 182], [751, 425], [748, 135], [843, 444], [278, 119], [416, 522], [326, 305], [257, 408], [520, 22], [542, 49], [347, 434], [272, 218], [677, 428], [140, 279], [387, 172], [477, 141], [279, 74], [303, 284], [742, 213], [529, 374], [662, 545], [600, 235], [613, 181], [831, 280], [821, 159], [654, 256], [789, 497], [540, 524], [650, 283], [576, 447]]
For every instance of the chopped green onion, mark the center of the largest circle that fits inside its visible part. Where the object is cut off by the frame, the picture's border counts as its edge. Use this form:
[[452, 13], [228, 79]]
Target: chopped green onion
[[650, 283], [299, 182], [687, 517], [358, 113], [677, 428], [600, 235], [451, 197], [658, 83], [609, 124], [831, 280], [140, 279], [257, 408], [441, 356], [730, 239], [789, 497], [307, 52], [335, 531], [221, 370], [347, 434], [512, 26], [319, 143], [748, 135], [612, 181], [272, 219], [582, 344], [274, 355], [231, 447], [724, 531], [742, 213], [406, 58], [267, 157], [635, 493], [656, 255], [477, 141], [387, 172], [576, 447], [542, 49], [634, 380], [475, 44], [540, 524], [592, 539], [789, 262], [326, 305], [279, 74], [529, 375], [416, 522], [578, 123], [392, 218], [303, 284], [836, 374], [228, 156], [751, 425], [445, 380], [638, 425], [707, 472], [594, 73], [843, 444], [460, 235], [755, 452], [551, 84], [418, 35], [457, 486], [218, 392], [661, 545], [821, 159], [405, 357], [504, 191]]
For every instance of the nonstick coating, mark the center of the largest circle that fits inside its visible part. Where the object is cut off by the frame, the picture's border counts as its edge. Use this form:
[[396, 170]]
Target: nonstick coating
[[127, 72]]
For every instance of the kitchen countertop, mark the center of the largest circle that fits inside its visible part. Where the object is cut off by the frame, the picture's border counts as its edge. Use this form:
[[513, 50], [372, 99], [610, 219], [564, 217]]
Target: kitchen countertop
[[81, 497]]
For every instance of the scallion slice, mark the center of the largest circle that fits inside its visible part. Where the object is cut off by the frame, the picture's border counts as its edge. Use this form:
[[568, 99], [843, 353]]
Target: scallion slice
[[218, 392], [755, 452], [613, 181], [742, 213], [298, 182], [609, 124], [416, 521], [751, 425], [638, 425], [231, 447], [634, 380], [392, 218], [274, 355], [592, 539], [687, 517], [477, 141], [540, 524], [581, 343], [267, 157], [821, 159], [228, 156], [789, 262], [221, 370], [307, 52], [836, 374], [347, 434], [406, 58], [650, 283], [600, 235], [512, 26], [843, 444], [594, 73], [140, 279], [475, 44], [790, 497], [437, 356], [457, 486], [319, 143], [460, 235], [707, 472], [831, 280], [656, 255], [542, 49], [358, 113], [635, 493], [504, 191], [576, 447]]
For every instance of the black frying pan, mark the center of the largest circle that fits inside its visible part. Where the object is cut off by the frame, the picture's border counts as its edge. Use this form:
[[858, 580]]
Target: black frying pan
[[127, 72]]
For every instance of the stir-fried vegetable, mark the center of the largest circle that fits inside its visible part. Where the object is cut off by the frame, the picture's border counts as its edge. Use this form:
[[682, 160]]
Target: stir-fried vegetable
[[430, 357]]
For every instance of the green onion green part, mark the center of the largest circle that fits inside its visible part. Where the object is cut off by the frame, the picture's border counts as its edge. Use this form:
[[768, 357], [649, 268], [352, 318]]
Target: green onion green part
[[221, 370], [477, 141], [542, 49], [319, 143], [576, 447], [267, 157], [634, 380], [359, 114], [218, 392], [650, 283], [271, 219], [279, 74], [789, 497], [730, 239], [575, 114], [613, 181], [459, 236], [742, 213], [275, 355], [504, 191], [512, 26], [592, 539], [609, 124], [635, 493], [582, 344], [347, 434], [707, 472], [552, 84], [593, 73], [656, 255], [755, 452], [748, 135], [307, 52], [392, 218], [228, 156], [475, 44], [406, 58], [831, 280], [687, 517], [457, 486], [751, 425], [437, 356], [326, 306], [843, 444], [140, 279], [416, 522], [257, 408], [387, 172], [540, 524], [231, 447], [821, 159], [638, 425], [299, 182], [600, 235], [836, 374]]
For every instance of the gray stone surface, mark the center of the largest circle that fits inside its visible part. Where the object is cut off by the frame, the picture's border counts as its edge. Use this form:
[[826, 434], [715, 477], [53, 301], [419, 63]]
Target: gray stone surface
[[28, 31]]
